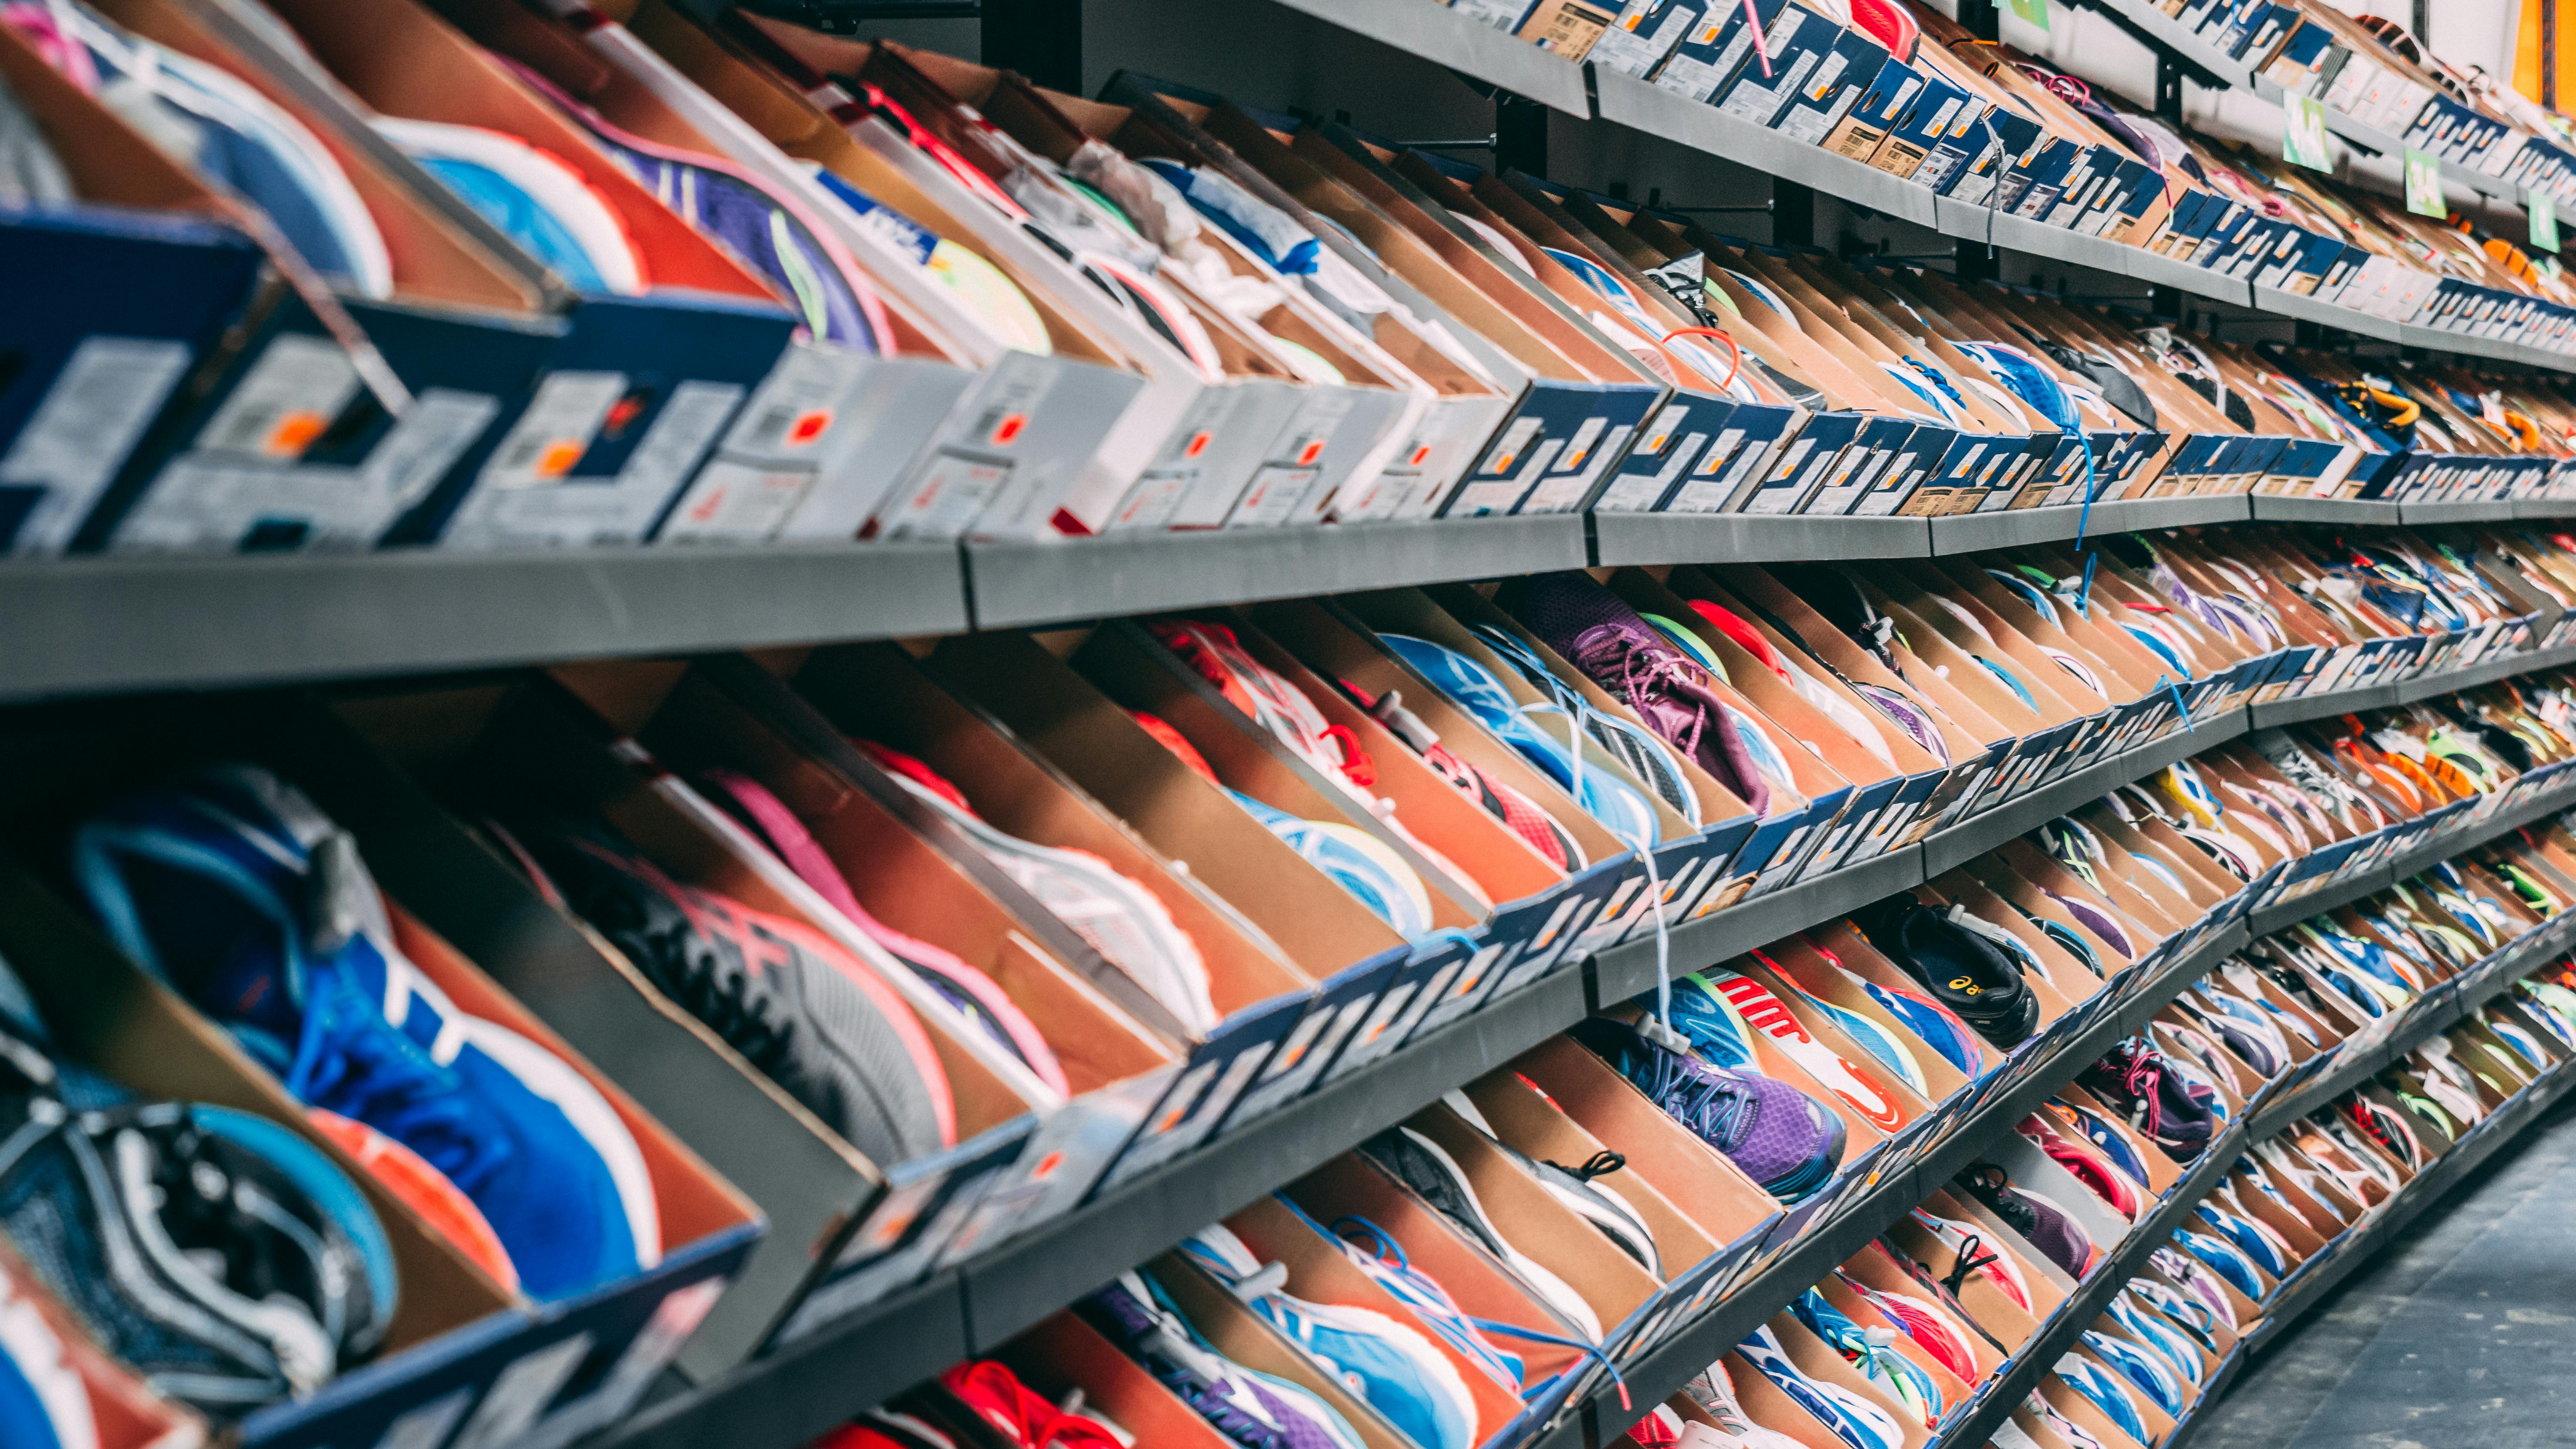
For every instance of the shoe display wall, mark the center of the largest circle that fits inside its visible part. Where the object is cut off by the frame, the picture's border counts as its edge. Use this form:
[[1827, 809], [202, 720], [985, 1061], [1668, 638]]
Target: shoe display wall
[[722, 731]]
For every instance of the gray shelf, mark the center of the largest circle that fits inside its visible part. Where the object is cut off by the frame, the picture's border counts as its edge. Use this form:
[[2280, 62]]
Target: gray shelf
[[111, 625], [2439, 848], [2326, 314], [1678, 538], [2287, 508], [1018, 584], [2544, 507], [2466, 510], [1987, 829], [1446, 37], [1626, 970], [2009, 528]]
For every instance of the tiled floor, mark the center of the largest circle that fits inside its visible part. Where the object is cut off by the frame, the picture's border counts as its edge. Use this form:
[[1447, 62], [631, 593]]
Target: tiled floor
[[2463, 1336]]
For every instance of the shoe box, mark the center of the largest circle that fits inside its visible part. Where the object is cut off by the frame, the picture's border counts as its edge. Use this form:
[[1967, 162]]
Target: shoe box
[[466, 1354]]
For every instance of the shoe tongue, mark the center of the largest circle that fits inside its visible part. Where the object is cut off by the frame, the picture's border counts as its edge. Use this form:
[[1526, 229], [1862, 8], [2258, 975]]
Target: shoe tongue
[[253, 988]]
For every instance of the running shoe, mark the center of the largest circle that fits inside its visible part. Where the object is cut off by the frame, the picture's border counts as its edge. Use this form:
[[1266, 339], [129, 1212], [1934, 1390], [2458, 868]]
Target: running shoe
[[1117, 917], [2040, 1220], [1971, 1254], [1786, 1142], [221, 1256], [1392, 1368], [1024, 1417], [1714, 1392], [1598, 633], [2223, 1258], [976, 996], [1434, 1176], [1872, 1354], [1754, 1006], [2087, 1165], [1356, 861], [1927, 1323], [1852, 1419], [1577, 1188], [1544, 735], [1964, 970], [1540, 831], [1374, 1252], [1253, 1410], [2145, 1369], [236, 891], [2161, 1104], [2104, 1391], [794, 1005], [1640, 749]]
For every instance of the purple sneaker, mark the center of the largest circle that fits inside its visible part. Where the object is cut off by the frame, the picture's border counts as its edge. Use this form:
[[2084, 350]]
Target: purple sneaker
[[1599, 634], [1787, 1142]]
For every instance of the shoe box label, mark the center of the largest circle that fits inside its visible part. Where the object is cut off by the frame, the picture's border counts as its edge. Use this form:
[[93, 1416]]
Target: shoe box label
[[900, 1237], [1670, 444], [82, 431], [1304, 1056], [1642, 34], [528, 491]]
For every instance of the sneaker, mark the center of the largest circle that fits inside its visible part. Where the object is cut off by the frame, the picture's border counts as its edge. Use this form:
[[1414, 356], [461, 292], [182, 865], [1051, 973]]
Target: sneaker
[[2089, 1167], [1935, 1025], [1787, 1143], [1927, 1323], [1540, 831], [2106, 1392], [1544, 735], [1714, 1392], [1373, 1252], [1251, 1409], [1962, 969], [1755, 1008], [2137, 1078], [1391, 1367], [239, 894], [1596, 631], [768, 820], [1640, 749], [2223, 1258], [1971, 1254], [1434, 1176], [1576, 1188], [222, 1257], [2040, 1220], [1024, 1418], [1852, 1418], [794, 1005], [2195, 1279], [1872, 1354], [43, 1403], [1128, 925]]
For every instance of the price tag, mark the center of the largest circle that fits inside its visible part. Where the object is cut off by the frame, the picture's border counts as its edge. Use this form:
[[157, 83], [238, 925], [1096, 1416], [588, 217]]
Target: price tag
[[2303, 133], [2544, 220], [2033, 12], [2424, 184]]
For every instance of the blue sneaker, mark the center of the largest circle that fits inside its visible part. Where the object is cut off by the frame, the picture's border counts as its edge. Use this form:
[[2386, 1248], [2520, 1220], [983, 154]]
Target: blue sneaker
[[246, 899], [1391, 1366]]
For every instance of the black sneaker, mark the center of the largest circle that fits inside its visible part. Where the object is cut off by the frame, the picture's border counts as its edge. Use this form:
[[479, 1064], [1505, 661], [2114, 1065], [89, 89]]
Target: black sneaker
[[220, 1255], [1962, 969], [2159, 1104]]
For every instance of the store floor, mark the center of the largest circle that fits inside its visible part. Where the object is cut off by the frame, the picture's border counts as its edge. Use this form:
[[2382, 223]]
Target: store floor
[[2462, 1335]]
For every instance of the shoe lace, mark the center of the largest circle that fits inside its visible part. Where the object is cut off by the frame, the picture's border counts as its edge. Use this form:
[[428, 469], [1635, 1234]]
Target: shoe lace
[[1971, 1257], [1599, 1164], [381, 1079], [2140, 1074], [1706, 1104], [1605, 654]]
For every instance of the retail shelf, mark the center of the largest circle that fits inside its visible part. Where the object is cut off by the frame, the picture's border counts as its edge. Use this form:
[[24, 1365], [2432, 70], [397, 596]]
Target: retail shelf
[[1659, 112], [804, 1389], [795, 1394], [1448, 37], [2478, 986], [2485, 671], [2291, 508], [2371, 138], [1749, 1305], [1133, 573], [2544, 507], [2464, 510], [2439, 848], [2057, 243], [2306, 1289], [1672, 538], [1987, 829], [2011, 527], [111, 625]]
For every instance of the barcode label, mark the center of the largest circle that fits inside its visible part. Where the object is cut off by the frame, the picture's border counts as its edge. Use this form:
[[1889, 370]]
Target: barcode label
[[286, 399]]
